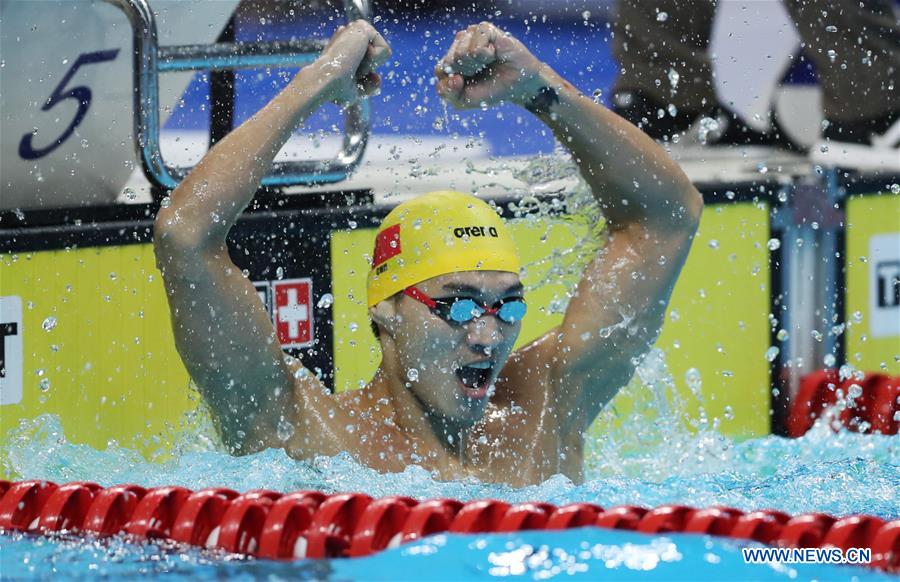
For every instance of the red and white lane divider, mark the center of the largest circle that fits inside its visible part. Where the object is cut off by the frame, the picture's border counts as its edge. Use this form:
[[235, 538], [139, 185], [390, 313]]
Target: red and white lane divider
[[876, 408], [310, 524]]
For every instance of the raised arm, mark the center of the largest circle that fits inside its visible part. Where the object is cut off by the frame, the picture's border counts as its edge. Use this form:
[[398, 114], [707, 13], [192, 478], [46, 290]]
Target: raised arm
[[652, 211], [222, 332]]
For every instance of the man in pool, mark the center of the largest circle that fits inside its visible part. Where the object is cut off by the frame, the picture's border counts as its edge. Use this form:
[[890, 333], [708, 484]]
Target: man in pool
[[444, 291]]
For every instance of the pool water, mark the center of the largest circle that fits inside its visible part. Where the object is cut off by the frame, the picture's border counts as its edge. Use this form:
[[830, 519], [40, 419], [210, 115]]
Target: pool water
[[588, 553], [840, 474]]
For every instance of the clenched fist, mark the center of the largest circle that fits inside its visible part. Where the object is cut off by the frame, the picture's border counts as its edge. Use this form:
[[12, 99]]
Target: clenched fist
[[485, 66], [349, 60]]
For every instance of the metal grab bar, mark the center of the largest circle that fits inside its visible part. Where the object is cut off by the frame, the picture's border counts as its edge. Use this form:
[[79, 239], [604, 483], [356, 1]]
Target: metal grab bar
[[150, 60], [224, 55]]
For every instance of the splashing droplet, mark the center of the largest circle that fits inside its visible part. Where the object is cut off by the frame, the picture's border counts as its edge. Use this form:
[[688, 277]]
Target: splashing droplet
[[674, 77], [708, 125], [284, 430], [693, 380], [49, 324], [325, 301]]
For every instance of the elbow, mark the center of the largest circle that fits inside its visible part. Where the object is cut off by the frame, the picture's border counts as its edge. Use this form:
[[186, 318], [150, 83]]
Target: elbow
[[177, 240], [685, 218], [180, 251], [170, 244], [171, 234], [682, 226], [693, 210], [166, 233]]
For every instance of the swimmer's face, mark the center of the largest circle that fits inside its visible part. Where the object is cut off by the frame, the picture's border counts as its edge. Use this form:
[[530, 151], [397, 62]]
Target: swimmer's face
[[456, 364]]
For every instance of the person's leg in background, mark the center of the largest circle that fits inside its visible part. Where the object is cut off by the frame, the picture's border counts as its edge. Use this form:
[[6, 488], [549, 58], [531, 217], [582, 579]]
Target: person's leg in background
[[653, 38], [665, 81], [855, 45]]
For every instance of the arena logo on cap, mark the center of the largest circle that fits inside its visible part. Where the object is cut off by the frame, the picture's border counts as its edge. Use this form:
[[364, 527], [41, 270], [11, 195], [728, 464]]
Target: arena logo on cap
[[473, 231]]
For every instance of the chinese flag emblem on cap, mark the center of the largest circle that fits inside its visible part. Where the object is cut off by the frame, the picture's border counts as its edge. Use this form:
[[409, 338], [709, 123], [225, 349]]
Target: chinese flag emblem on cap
[[387, 245]]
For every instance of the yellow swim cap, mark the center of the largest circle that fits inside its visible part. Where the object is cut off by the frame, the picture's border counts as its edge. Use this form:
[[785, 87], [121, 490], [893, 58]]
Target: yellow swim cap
[[435, 234]]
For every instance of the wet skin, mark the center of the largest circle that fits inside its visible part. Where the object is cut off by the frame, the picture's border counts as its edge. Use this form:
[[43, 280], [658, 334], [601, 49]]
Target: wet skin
[[531, 424], [507, 434], [435, 421]]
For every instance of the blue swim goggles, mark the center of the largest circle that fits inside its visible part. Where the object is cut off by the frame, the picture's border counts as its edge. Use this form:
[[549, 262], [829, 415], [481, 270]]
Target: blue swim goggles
[[461, 310]]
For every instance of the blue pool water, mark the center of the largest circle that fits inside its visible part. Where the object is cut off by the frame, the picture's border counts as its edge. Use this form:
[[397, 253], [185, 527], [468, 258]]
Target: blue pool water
[[584, 554], [834, 473]]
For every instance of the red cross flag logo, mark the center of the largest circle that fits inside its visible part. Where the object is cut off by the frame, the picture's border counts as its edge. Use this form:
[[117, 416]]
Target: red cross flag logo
[[293, 314]]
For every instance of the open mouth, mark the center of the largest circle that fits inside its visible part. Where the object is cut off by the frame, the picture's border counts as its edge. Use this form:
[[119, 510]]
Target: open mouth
[[474, 378]]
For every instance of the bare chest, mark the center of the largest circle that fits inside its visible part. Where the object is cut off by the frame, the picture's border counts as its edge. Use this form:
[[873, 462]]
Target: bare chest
[[513, 447]]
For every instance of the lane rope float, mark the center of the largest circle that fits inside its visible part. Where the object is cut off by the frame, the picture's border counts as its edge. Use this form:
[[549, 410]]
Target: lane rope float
[[310, 524], [876, 409]]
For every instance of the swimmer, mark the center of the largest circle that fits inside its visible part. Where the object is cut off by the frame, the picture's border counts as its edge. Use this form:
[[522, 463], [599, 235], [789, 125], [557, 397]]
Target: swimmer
[[444, 292]]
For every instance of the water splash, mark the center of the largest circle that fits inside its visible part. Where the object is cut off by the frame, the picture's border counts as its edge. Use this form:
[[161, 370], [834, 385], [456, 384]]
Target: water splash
[[544, 179], [838, 473], [656, 452]]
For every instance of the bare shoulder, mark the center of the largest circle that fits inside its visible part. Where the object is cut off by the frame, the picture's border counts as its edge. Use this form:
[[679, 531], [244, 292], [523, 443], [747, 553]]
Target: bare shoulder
[[316, 415], [321, 409], [355, 422]]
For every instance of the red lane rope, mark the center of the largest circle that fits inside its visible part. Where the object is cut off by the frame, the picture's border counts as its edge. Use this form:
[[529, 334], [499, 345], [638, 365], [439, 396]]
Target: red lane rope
[[877, 408], [310, 524]]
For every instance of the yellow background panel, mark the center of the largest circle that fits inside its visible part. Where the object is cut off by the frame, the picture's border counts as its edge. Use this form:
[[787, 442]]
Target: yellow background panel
[[115, 375], [868, 216], [111, 362], [718, 323]]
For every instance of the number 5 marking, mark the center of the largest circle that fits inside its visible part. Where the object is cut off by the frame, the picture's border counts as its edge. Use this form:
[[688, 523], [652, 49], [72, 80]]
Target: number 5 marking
[[81, 94]]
